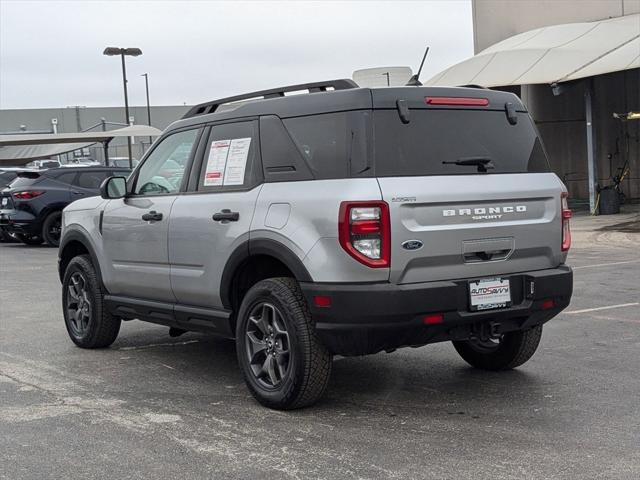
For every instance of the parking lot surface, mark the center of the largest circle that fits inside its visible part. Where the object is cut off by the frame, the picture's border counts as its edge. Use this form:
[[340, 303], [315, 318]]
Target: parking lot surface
[[157, 407]]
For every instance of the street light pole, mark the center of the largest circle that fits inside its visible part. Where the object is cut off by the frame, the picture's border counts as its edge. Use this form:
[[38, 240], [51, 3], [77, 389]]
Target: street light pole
[[126, 107], [146, 85], [134, 52]]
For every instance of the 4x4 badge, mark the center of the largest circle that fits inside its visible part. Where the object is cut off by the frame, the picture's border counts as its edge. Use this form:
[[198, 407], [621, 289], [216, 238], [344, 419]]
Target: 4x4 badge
[[412, 245]]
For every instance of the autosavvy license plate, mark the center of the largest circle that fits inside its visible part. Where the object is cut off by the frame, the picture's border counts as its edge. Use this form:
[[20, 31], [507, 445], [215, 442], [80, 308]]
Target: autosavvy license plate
[[489, 293], [4, 202]]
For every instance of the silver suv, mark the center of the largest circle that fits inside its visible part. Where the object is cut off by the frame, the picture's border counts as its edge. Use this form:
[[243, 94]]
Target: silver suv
[[340, 221]]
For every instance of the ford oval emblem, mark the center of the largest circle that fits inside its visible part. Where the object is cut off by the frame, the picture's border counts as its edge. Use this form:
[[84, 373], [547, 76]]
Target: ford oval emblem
[[412, 245]]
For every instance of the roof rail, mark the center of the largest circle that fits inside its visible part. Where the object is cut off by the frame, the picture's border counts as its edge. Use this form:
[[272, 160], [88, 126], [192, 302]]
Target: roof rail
[[211, 107]]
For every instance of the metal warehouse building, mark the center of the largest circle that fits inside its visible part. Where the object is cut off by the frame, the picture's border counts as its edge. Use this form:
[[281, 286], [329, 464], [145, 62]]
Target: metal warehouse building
[[78, 119]]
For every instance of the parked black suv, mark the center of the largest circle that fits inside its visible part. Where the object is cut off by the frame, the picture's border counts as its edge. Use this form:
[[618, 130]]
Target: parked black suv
[[31, 206]]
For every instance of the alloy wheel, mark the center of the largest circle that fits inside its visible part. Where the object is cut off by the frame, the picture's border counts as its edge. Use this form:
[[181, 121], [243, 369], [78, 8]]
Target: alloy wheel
[[267, 345], [78, 304]]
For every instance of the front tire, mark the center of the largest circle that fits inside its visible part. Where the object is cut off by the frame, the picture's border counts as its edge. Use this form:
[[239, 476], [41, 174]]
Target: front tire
[[51, 228], [284, 364], [88, 322], [509, 351]]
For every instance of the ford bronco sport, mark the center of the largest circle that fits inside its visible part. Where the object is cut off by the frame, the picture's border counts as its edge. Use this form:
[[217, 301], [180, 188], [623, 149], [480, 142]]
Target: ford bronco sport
[[342, 221]]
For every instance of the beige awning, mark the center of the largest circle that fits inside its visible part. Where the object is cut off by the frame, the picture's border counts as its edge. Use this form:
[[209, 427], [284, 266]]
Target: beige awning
[[21, 154], [79, 137], [553, 54]]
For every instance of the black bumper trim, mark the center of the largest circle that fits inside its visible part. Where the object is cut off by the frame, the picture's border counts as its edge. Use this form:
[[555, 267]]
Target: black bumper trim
[[364, 318]]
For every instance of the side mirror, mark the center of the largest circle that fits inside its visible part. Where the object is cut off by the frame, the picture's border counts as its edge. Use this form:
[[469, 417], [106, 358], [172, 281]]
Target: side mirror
[[113, 187]]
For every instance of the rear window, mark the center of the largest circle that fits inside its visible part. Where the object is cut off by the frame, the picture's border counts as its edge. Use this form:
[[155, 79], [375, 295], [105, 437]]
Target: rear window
[[6, 177], [436, 136], [25, 179]]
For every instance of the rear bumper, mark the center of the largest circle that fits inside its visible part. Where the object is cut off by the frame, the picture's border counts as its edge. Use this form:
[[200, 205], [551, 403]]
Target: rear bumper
[[16, 221], [367, 318]]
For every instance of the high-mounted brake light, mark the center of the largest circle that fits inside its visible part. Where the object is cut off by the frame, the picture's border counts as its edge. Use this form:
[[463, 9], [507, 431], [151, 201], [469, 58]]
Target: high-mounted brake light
[[28, 194], [566, 215], [364, 232], [457, 101]]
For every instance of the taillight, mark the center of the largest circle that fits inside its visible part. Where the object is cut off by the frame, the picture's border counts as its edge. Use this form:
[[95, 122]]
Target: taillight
[[457, 101], [365, 233], [566, 215], [28, 194]]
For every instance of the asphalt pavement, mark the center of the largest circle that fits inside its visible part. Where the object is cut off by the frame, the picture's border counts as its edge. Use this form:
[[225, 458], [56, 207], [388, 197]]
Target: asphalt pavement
[[156, 407]]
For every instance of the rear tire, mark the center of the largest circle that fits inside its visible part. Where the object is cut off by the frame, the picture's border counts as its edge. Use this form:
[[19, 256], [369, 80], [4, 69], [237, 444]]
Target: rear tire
[[284, 364], [512, 350], [51, 229], [88, 322]]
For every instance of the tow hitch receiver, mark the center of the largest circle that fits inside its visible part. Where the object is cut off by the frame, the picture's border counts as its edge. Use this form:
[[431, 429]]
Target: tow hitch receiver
[[485, 331]]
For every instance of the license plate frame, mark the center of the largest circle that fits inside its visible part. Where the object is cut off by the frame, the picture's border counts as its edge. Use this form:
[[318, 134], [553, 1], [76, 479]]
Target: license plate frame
[[489, 294]]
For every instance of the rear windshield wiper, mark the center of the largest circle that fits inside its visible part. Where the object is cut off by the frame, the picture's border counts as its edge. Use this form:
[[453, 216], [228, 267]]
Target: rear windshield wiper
[[483, 163]]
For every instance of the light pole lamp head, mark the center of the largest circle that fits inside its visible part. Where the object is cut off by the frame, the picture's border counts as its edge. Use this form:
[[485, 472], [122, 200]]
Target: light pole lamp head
[[111, 51]]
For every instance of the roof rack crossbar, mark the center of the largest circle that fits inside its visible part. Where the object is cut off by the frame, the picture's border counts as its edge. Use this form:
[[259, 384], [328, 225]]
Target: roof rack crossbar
[[211, 107]]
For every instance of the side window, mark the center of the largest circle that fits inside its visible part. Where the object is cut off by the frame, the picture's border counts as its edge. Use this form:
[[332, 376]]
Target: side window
[[230, 157], [90, 180], [163, 170]]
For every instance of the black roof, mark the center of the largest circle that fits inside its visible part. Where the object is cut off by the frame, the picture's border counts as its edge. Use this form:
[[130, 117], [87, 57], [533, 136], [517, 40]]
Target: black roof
[[331, 96]]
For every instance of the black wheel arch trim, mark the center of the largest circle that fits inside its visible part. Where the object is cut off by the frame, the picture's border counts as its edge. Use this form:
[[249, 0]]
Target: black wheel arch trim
[[81, 236], [260, 246]]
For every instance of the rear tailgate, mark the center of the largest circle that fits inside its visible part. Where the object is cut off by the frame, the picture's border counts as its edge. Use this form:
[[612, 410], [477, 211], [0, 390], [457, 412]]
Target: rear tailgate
[[472, 226], [467, 182]]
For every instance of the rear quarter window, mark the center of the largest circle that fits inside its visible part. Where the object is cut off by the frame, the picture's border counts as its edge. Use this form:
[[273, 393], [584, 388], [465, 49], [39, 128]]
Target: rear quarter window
[[67, 177], [334, 145], [92, 179]]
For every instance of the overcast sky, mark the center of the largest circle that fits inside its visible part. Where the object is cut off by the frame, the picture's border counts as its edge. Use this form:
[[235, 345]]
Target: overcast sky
[[194, 51]]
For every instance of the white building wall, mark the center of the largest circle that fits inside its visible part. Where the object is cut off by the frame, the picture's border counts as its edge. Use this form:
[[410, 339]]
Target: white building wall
[[495, 20]]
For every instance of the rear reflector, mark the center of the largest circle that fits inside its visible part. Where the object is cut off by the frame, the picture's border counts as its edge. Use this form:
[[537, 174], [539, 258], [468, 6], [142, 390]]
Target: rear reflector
[[548, 303], [322, 301], [566, 215], [433, 319], [457, 101]]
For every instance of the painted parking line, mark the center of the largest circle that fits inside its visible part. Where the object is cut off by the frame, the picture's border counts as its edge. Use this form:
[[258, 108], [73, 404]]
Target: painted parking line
[[605, 264], [597, 309]]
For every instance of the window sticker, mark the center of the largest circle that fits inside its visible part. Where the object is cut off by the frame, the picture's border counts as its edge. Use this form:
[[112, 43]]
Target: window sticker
[[227, 162], [216, 162], [237, 161]]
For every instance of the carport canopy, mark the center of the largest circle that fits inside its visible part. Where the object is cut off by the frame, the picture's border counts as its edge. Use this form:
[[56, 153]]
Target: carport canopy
[[553, 54], [23, 148]]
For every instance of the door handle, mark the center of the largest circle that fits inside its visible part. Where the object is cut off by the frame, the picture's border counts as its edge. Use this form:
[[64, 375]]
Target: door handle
[[225, 216], [152, 216], [75, 192]]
